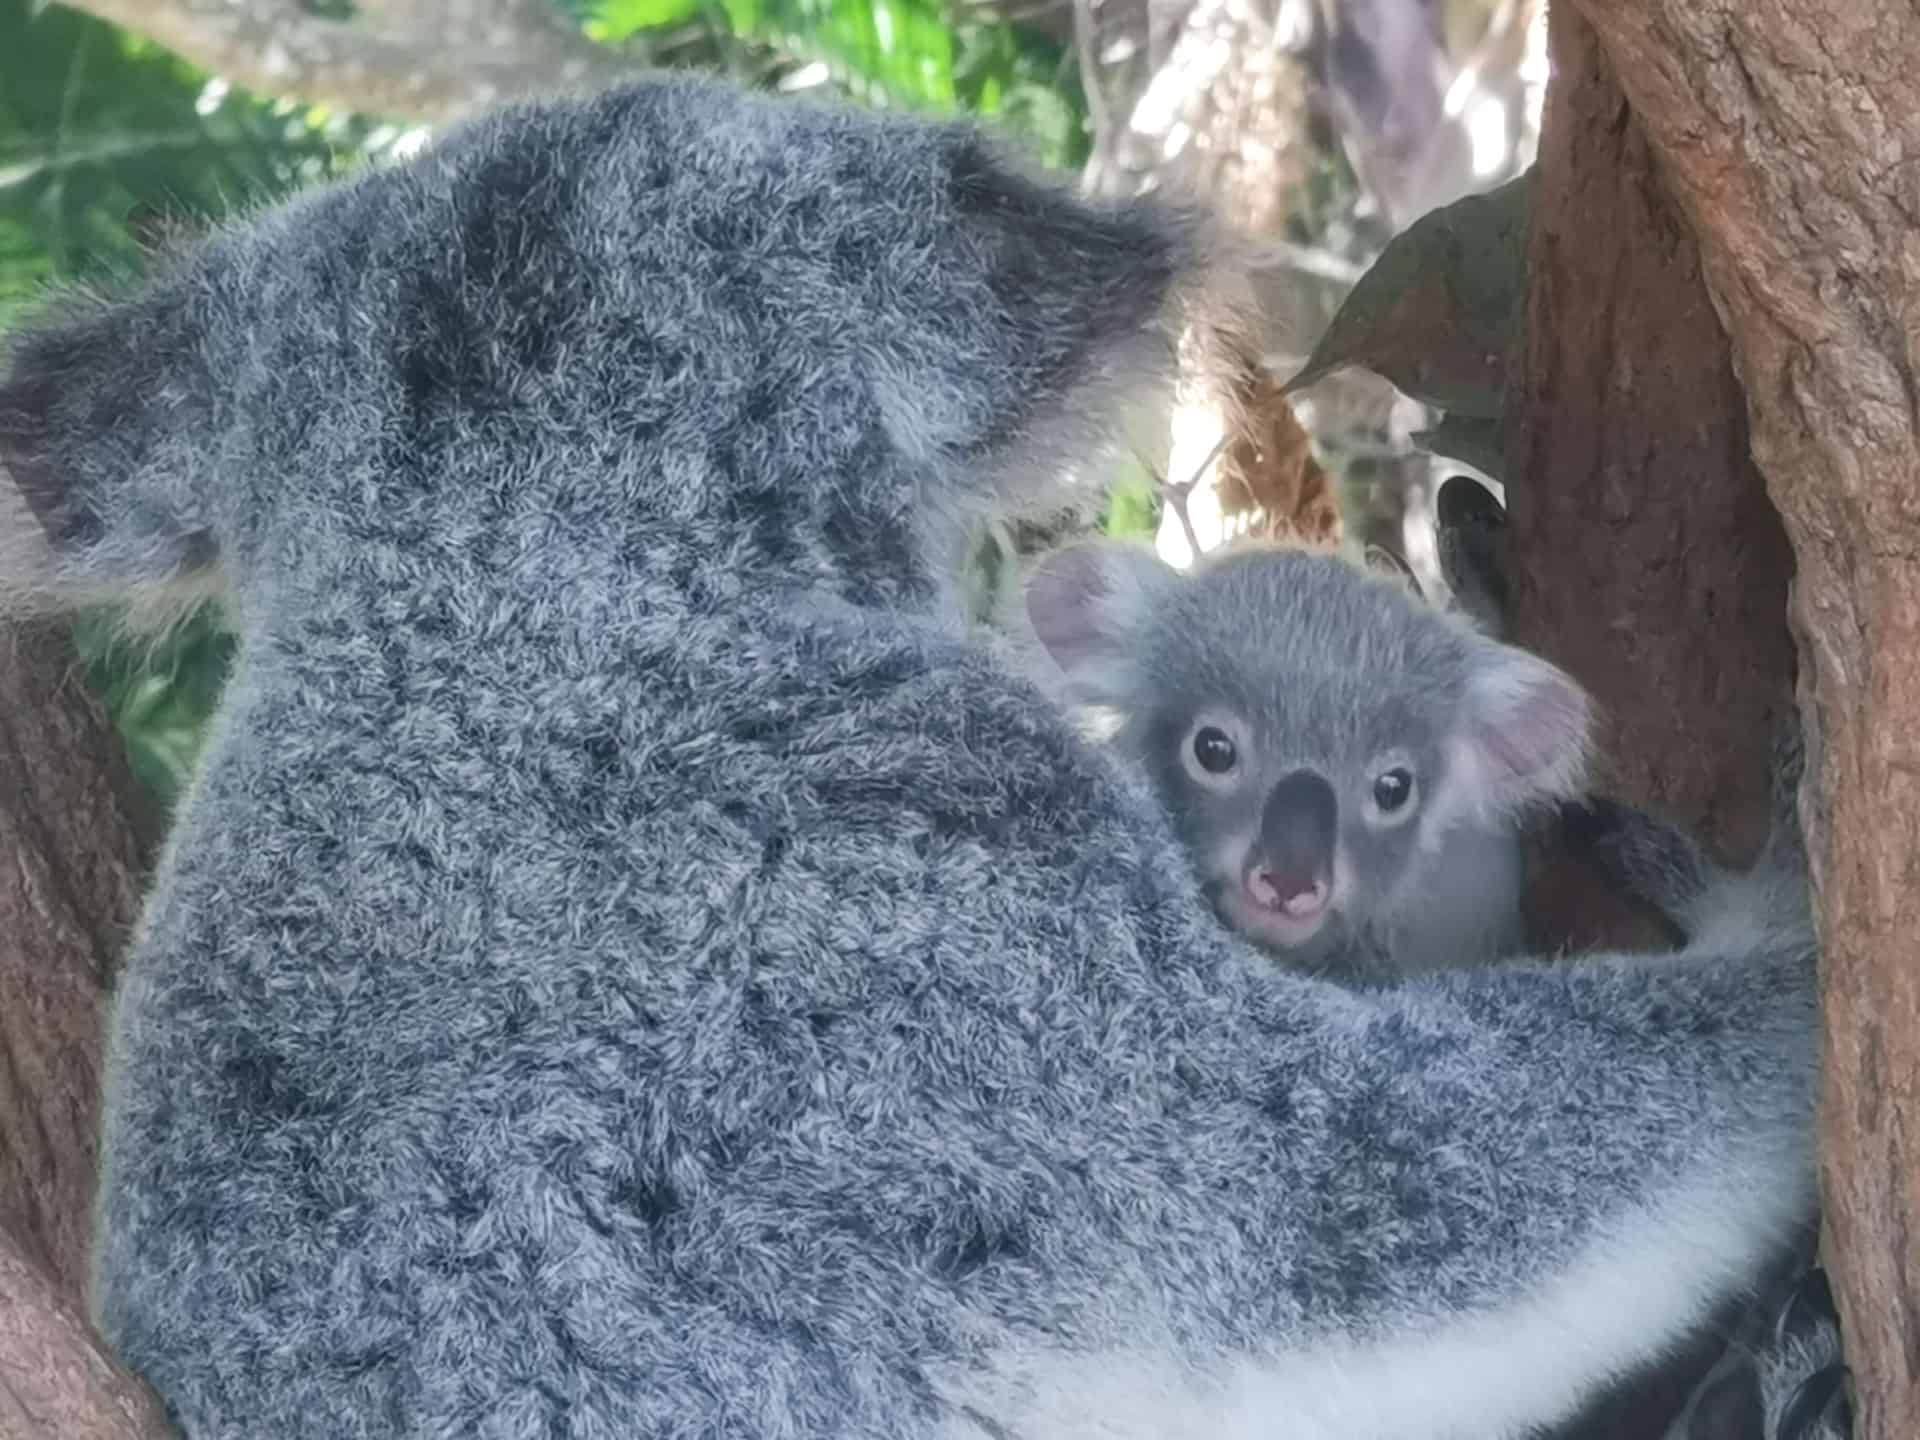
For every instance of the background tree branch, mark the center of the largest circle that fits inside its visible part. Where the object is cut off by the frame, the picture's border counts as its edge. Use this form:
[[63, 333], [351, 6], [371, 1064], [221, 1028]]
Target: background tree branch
[[72, 836], [68, 895], [1786, 131], [426, 62]]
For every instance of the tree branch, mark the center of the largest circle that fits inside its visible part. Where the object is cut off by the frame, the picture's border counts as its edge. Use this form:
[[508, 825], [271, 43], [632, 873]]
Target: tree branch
[[68, 893], [409, 59], [1787, 132], [57, 1380]]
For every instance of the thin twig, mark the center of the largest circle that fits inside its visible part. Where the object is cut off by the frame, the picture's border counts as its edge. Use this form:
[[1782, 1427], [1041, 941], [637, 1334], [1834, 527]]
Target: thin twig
[[1175, 492], [1321, 264]]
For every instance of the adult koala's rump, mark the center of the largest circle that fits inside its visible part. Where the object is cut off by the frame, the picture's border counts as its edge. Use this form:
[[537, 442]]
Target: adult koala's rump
[[632, 966]]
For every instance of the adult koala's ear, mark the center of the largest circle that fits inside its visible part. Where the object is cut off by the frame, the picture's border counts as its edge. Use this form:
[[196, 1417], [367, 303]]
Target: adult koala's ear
[[106, 422], [1089, 606], [1055, 326]]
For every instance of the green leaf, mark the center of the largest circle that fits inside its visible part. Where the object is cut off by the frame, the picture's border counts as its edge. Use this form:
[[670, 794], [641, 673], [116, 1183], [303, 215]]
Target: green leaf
[[1439, 311], [1029, 84], [1133, 508], [618, 20], [159, 693], [907, 54]]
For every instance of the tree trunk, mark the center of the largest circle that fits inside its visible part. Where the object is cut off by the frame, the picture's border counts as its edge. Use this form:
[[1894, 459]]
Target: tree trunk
[[68, 893], [1786, 132], [57, 1380], [1643, 554], [1645, 557]]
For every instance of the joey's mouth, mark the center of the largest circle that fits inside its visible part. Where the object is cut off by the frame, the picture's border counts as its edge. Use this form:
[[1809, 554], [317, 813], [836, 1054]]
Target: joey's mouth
[[1284, 925]]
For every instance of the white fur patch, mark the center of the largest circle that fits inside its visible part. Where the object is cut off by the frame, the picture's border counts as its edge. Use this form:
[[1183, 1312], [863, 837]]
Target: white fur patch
[[1477, 1376]]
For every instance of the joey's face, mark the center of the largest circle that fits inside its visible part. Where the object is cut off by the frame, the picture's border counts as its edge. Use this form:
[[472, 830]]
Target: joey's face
[[1343, 762], [1294, 848]]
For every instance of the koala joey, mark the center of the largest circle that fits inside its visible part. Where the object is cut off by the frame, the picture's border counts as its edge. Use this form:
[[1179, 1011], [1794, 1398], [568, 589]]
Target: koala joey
[[1347, 766], [633, 963]]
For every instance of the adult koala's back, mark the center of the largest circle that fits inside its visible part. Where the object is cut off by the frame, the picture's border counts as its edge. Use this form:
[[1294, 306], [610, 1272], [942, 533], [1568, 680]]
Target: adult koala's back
[[630, 966]]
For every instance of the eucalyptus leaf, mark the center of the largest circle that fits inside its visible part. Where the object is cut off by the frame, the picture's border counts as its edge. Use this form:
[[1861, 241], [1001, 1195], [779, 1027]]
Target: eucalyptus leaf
[[1440, 309]]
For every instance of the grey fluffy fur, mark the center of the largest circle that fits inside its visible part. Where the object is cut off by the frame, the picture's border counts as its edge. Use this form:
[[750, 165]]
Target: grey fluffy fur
[[1781, 1346], [631, 966]]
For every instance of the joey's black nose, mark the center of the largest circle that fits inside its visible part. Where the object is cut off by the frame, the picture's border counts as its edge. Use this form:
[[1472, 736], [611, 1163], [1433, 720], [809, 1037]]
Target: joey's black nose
[[1297, 829]]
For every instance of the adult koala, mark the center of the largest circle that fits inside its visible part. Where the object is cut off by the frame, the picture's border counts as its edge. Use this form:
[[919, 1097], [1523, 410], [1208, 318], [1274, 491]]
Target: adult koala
[[631, 965]]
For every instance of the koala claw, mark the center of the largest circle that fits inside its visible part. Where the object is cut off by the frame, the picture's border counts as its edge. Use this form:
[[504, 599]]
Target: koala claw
[[1812, 1400]]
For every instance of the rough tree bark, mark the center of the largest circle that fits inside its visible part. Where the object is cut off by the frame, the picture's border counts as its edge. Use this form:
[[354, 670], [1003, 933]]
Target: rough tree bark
[[57, 1380], [1629, 439], [1643, 553], [1787, 133], [70, 834]]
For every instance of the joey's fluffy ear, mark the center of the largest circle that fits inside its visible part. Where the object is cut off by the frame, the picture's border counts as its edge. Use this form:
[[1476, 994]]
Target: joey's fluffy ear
[[1089, 605], [104, 416], [1522, 732]]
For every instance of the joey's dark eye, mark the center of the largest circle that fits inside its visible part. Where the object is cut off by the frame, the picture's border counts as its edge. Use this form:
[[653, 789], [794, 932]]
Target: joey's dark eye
[[1392, 789], [1213, 749]]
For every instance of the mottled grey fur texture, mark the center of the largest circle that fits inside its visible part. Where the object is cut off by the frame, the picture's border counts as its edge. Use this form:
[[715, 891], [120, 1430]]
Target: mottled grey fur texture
[[1783, 1374], [1325, 684], [631, 965]]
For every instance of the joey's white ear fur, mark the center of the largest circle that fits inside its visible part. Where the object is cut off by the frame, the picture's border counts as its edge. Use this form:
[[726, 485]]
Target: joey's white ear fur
[[1523, 732], [1088, 605]]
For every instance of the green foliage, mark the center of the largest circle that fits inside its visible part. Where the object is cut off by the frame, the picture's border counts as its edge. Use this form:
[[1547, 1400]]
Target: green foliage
[[1438, 314], [904, 54], [107, 143], [160, 693], [1029, 84], [1133, 511], [1438, 311]]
